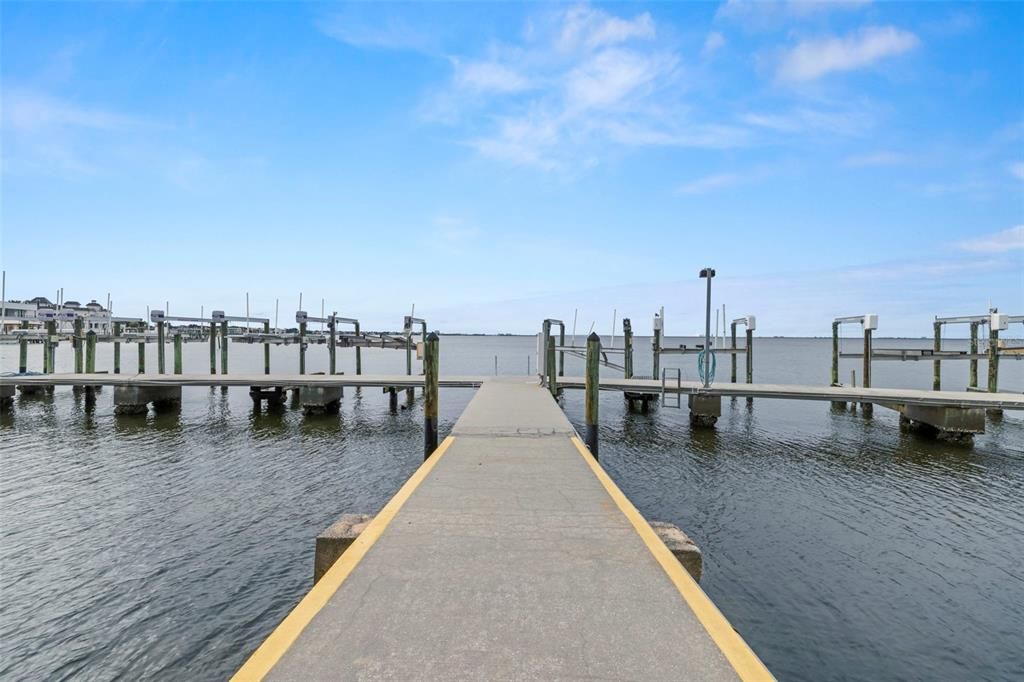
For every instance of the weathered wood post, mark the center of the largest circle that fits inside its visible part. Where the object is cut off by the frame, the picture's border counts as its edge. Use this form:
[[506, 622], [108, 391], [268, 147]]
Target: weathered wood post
[[142, 356], [48, 352], [656, 365], [302, 347], [213, 348], [835, 353], [750, 359], [359, 353], [867, 408], [973, 378], [79, 341], [23, 350], [937, 364], [224, 347], [117, 348], [160, 350], [561, 353], [593, 387], [266, 349], [993, 358], [177, 352], [430, 382], [732, 336], [552, 370], [331, 325], [627, 345], [90, 352]]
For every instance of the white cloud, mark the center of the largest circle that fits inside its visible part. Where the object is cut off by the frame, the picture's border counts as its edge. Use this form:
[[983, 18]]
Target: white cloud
[[771, 14], [875, 159], [709, 183], [1017, 169], [488, 77], [393, 35], [712, 44], [998, 242], [610, 76], [584, 27], [30, 111], [812, 59], [802, 120]]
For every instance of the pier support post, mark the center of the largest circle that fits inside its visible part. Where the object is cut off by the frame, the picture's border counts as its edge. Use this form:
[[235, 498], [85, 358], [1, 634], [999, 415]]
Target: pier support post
[[704, 409], [430, 381], [993, 367], [332, 349], [392, 399], [973, 377], [593, 388], [23, 351], [835, 354], [750, 360], [561, 353], [732, 360], [79, 341], [90, 352], [867, 408], [6, 397], [117, 348], [224, 347], [177, 352], [213, 348], [359, 354], [552, 370], [266, 349], [48, 351], [320, 399], [302, 348], [656, 343], [937, 364], [142, 358], [627, 345], [160, 350]]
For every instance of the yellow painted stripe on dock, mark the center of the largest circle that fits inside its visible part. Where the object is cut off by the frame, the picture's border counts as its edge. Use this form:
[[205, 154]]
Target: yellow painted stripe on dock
[[739, 654], [275, 646]]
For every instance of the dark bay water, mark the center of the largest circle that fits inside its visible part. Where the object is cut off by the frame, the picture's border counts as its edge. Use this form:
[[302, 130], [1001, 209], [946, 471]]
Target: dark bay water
[[168, 546]]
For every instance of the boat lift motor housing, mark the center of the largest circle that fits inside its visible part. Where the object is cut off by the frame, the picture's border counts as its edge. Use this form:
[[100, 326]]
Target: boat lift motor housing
[[751, 322], [301, 316], [156, 316], [217, 316], [870, 321], [998, 321], [46, 315]]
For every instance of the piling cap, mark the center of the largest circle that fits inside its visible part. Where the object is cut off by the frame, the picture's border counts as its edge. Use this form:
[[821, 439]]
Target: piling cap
[[432, 336], [594, 337]]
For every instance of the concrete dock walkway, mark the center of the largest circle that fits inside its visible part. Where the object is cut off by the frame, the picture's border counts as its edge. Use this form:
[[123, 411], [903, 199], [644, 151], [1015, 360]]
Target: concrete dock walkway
[[509, 554]]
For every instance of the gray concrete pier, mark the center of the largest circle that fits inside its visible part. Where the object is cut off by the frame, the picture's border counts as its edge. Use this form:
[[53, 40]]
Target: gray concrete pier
[[136, 399], [509, 554]]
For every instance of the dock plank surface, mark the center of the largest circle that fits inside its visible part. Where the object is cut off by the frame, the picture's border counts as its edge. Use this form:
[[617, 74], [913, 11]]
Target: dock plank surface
[[511, 559]]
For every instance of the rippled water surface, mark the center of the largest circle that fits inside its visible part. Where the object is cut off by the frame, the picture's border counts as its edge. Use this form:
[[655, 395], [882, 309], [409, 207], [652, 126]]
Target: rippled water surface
[[169, 545]]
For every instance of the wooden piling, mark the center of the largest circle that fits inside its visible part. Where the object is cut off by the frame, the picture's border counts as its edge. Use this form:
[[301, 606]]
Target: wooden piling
[[23, 350], [224, 347], [750, 359], [359, 354], [266, 349], [561, 353], [993, 359], [552, 370], [937, 364], [627, 346], [656, 365], [49, 352], [177, 352], [867, 408], [78, 344], [332, 349], [973, 378], [835, 353], [142, 357], [90, 352], [213, 348], [117, 348], [160, 350], [593, 387], [430, 380], [302, 348], [732, 363]]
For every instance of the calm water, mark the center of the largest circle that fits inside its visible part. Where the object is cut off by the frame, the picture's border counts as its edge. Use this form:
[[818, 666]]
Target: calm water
[[169, 545]]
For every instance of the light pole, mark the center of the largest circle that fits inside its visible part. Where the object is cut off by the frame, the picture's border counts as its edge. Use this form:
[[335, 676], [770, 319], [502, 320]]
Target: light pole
[[706, 357]]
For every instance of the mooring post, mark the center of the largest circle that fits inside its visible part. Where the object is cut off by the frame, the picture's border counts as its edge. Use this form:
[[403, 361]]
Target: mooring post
[[593, 387], [78, 342], [90, 352], [331, 326], [835, 353], [177, 352], [552, 370], [142, 356], [561, 353], [973, 378], [627, 346], [160, 351], [224, 347], [937, 364], [48, 351], [213, 348], [266, 349], [750, 359], [23, 350], [732, 336], [117, 348], [302, 347], [656, 365], [993, 359], [867, 408], [430, 382], [359, 354]]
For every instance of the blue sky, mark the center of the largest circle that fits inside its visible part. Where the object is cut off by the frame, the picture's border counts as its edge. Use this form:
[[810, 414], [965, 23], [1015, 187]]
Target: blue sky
[[496, 164]]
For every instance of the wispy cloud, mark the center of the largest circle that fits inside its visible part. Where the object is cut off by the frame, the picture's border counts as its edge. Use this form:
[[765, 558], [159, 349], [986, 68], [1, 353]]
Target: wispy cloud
[[709, 183], [28, 111], [588, 28], [760, 15], [488, 77], [874, 159], [852, 120], [390, 35], [1017, 169], [712, 44], [1011, 239], [812, 59]]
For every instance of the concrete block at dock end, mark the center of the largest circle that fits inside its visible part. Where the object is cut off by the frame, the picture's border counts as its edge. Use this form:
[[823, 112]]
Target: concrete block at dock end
[[319, 399], [333, 542], [134, 399], [946, 420], [682, 547], [704, 409]]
